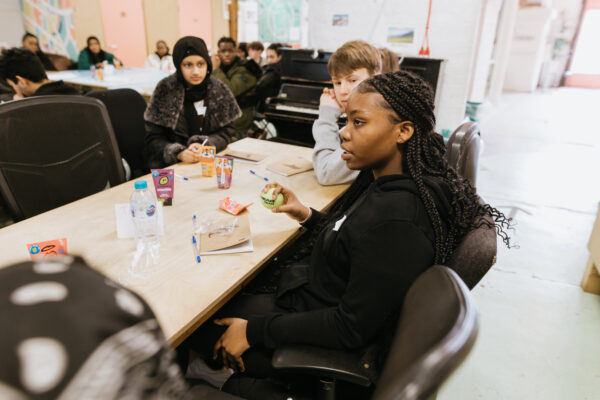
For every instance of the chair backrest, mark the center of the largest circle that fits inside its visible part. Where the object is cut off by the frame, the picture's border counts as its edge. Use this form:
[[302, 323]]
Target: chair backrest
[[55, 150], [462, 150], [476, 254], [126, 111], [436, 331]]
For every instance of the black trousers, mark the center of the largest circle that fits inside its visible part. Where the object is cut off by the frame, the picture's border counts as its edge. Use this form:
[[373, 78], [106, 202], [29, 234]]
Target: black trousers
[[260, 381], [257, 360]]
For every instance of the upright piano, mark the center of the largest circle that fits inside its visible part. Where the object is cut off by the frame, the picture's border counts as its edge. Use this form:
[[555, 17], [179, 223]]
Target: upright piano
[[303, 76]]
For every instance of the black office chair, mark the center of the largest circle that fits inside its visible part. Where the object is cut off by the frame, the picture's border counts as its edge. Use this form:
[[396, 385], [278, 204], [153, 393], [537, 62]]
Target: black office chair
[[126, 111], [76, 334], [476, 254], [434, 335], [462, 150], [55, 150]]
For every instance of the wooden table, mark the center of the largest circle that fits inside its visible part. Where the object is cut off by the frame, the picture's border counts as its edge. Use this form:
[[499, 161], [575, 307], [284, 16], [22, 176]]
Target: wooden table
[[183, 293], [143, 80]]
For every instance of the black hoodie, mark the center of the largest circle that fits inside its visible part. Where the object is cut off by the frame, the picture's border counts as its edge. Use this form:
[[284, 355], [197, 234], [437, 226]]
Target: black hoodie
[[57, 87], [359, 272]]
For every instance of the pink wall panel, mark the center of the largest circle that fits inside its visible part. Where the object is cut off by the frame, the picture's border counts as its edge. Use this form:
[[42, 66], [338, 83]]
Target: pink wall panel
[[124, 30], [194, 19]]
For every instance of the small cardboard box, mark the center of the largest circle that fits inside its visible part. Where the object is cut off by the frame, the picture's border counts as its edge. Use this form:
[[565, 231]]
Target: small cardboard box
[[591, 277]]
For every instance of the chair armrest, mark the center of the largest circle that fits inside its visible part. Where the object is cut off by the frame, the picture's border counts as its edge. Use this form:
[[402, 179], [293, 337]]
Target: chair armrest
[[329, 363]]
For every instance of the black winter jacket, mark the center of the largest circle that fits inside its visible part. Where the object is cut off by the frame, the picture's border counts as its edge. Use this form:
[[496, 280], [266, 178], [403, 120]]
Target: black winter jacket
[[167, 130]]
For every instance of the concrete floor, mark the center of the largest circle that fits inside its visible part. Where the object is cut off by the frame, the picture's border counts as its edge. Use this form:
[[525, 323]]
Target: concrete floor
[[539, 332]]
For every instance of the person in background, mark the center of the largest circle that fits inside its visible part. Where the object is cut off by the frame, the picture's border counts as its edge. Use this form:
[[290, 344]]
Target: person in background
[[255, 50], [389, 61], [242, 50], [161, 58], [24, 72], [188, 108], [352, 63], [274, 53], [241, 77], [31, 43], [94, 55], [270, 82]]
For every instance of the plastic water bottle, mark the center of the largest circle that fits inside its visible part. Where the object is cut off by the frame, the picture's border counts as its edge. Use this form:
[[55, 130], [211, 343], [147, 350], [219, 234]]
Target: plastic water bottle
[[145, 217]]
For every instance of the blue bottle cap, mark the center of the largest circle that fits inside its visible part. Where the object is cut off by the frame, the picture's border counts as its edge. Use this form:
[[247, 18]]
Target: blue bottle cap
[[141, 184]]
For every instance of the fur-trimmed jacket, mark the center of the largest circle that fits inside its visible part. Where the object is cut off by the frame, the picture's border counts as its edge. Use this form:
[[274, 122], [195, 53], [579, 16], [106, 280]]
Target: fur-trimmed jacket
[[167, 132]]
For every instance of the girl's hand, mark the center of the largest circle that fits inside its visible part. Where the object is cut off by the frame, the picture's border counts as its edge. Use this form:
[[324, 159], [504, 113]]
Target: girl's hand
[[291, 205], [195, 147], [328, 99], [188, 156], [233, 343]]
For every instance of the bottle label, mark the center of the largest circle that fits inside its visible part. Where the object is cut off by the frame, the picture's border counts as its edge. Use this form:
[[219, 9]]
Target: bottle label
[[150, 210]]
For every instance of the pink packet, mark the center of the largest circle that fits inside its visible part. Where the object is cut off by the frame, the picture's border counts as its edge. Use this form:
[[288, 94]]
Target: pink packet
[[164, 185], [232, 207]]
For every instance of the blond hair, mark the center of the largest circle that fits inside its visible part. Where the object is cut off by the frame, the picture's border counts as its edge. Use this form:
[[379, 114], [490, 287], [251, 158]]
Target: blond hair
[[389, 61], [354, 55]]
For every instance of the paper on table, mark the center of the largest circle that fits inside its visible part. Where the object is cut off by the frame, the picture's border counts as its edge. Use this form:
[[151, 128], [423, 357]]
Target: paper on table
[[125, 226], [238, 248], [210, 241], [291, 166], [253, 158], [63, 75]]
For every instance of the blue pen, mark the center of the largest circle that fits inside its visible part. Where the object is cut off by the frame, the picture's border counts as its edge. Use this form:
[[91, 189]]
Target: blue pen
[[194, 241], [257, 175], [182, 177], [195, 248]]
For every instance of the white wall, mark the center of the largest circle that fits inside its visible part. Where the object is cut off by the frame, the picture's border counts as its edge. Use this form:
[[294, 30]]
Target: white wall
[[488, 25], [11, 22], [452, 36]]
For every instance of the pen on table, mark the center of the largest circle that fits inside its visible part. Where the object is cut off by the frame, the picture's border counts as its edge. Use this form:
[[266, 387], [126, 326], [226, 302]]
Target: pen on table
[[182, 177], [194, 240], [259, 176], [195, 248]]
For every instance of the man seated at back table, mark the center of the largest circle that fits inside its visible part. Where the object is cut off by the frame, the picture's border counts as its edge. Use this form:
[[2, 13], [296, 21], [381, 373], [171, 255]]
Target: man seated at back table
[[24, 72]]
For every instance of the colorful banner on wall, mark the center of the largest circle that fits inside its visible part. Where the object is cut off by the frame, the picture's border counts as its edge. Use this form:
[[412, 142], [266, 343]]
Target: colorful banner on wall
[[52, 22], [279, 20]]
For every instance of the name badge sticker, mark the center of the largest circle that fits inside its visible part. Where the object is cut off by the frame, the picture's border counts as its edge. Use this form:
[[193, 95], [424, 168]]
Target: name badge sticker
[[199, 106], [338, 223]]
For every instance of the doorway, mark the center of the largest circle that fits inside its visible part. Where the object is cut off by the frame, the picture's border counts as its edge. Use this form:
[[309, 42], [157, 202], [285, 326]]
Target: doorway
[[584, 70]]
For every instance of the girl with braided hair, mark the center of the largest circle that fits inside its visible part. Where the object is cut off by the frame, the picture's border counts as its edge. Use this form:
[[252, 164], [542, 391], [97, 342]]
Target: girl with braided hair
[[412, 214]]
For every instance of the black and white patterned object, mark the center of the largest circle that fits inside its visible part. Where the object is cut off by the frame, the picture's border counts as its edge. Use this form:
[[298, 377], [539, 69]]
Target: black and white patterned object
[[68, 332]]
